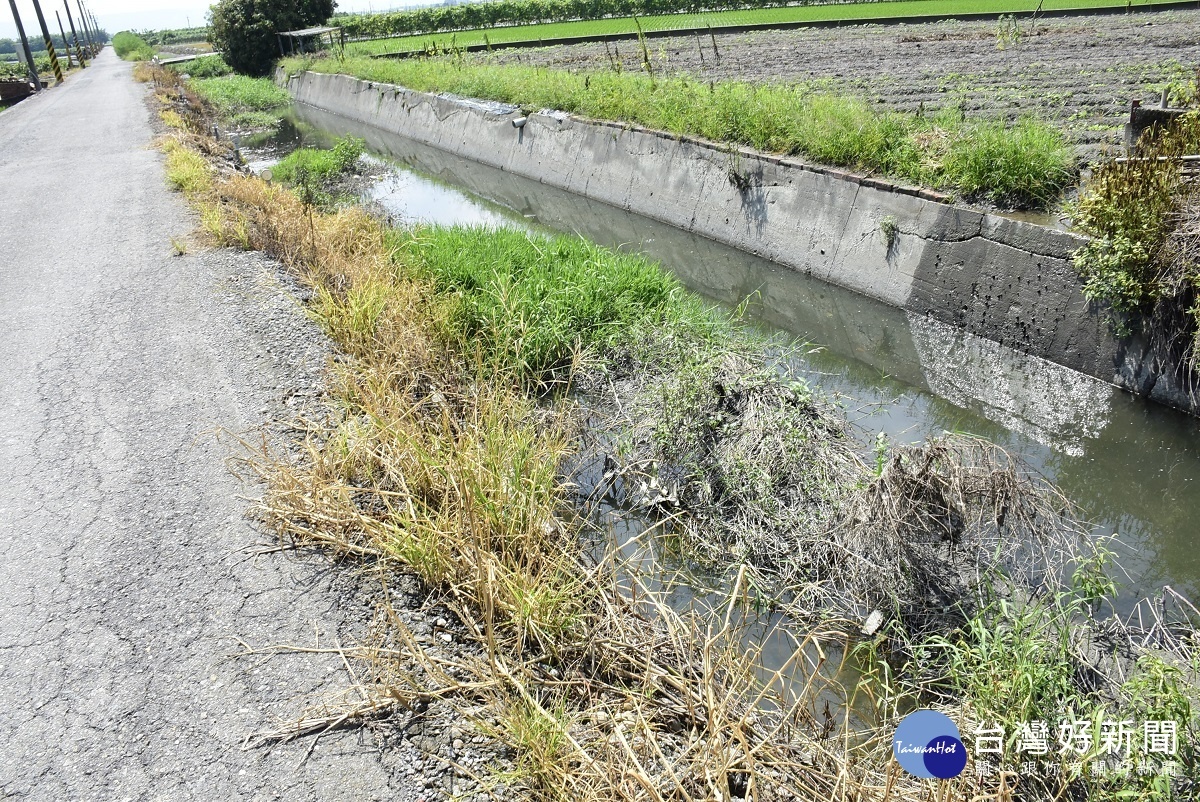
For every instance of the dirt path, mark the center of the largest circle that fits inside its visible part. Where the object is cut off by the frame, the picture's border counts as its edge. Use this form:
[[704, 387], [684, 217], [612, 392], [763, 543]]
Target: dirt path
[[1080, 72], [125, 557]]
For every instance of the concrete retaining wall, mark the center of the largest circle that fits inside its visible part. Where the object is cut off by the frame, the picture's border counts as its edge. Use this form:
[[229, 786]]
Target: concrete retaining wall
[[1006, 280]]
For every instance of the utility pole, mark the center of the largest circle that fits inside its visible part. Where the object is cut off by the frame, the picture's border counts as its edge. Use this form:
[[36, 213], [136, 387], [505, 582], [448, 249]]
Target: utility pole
[[37, 7], [86, 32], [74, 35], [62, 35], [29, 64], [96, 29]]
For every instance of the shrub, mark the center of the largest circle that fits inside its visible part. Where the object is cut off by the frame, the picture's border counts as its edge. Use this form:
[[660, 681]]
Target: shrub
[[1131, 208], [205, 67], [132, 47], [245, 30]]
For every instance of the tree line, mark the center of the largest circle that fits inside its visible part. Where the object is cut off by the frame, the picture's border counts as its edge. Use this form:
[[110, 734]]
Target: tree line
[[11, 47]]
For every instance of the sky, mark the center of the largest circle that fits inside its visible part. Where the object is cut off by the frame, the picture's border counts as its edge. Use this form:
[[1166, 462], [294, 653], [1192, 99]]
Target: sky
[[120, 15]]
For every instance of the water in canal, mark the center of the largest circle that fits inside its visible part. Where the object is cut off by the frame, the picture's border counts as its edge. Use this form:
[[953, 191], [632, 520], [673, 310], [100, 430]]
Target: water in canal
[[1132, 466]]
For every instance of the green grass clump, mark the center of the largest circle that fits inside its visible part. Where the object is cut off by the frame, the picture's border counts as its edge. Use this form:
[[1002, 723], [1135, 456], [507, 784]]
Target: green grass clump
[[1023, 165], [132, 47], [241, 100], [187, 171], [319, 165], [534, 305], [204, 67]]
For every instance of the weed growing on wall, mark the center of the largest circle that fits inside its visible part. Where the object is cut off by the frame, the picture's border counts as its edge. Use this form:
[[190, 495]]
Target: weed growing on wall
[[1144, 259]]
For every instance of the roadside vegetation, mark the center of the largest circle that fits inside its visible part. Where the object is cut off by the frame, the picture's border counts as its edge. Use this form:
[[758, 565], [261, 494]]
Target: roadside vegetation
[[485, 369], [132, 47], [212, 66], [1023, 165], [508, 21], [241, 101], [1143, 213]]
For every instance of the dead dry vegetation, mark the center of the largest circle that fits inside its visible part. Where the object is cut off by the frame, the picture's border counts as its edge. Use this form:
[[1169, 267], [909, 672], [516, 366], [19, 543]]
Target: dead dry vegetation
[[445, 457]]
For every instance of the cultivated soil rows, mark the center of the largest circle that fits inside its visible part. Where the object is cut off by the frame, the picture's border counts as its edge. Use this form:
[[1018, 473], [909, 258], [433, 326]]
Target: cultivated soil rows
[[1080, 72]]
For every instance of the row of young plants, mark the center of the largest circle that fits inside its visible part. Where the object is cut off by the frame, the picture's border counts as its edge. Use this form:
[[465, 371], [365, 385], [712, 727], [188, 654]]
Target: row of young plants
[[447, 457], [170, 36], [469, 16], [1025, 164]]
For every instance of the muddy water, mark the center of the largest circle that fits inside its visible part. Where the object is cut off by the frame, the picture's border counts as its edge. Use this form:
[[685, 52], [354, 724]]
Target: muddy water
[[1132, 466]]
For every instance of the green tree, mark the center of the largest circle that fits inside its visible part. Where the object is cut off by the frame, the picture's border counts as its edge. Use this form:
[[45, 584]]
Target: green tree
[[244, 30]]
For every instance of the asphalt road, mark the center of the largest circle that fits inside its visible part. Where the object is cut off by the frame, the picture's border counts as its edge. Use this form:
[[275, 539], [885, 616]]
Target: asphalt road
[[125, 571]]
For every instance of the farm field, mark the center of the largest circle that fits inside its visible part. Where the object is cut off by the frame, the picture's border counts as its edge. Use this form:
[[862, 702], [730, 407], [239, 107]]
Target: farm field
[[1077, 73], [821, 13]]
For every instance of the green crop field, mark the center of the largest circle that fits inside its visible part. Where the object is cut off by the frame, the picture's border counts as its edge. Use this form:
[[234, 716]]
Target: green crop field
[[829, 12]]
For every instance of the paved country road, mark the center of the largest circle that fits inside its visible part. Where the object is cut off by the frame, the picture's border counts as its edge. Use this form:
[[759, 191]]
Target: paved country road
[[125, 564]]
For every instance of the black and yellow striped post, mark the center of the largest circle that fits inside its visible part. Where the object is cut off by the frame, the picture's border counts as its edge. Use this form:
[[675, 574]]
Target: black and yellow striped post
[[74, 35], [62, 37], [58, 75]]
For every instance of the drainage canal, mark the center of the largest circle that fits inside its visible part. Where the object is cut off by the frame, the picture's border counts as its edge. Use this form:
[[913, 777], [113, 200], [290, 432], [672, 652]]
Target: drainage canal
[[1131, 465]]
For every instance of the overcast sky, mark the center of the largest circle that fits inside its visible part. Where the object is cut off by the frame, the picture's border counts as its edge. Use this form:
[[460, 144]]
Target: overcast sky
[[120, 15]]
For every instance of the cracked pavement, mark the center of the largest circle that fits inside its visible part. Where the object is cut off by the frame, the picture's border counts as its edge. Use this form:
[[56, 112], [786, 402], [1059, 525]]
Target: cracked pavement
[[127, 572]]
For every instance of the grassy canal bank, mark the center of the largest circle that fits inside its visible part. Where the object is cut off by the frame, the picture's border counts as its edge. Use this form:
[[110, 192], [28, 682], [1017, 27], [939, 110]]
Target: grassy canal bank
[[480, 364], [1024, 165]]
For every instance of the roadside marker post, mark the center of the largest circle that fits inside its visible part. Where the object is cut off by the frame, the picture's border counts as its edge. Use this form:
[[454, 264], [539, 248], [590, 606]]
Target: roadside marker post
[[63, 35], [29, 62], [74, 35], [58, 75]]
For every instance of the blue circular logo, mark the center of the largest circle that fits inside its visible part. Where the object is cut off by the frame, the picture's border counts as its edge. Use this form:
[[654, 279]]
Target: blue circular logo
[[927, 744]]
